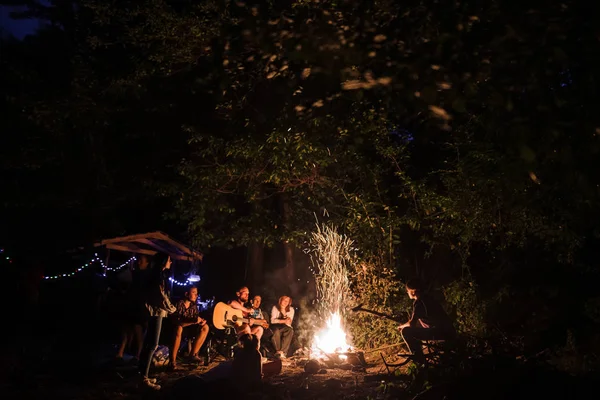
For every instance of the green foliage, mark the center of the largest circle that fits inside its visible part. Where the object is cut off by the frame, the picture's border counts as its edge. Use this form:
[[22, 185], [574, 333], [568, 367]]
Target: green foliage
[[458, 131], [467, 306], [568, 358], [269, 186], [377, 289]]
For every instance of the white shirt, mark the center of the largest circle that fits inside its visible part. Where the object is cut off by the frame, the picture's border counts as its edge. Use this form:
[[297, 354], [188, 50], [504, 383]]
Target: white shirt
[[275, 314]]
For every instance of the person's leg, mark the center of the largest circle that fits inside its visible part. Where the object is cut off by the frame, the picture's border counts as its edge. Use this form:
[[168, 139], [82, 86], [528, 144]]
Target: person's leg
[[200, 338], [414, 345], [125, 334], [150, 345], [413, 338], [258, 331], [242, 330], [276, 338], [267, 341], [267, 334], [287, 334], [138, 332], [175, 347], [129, 346]]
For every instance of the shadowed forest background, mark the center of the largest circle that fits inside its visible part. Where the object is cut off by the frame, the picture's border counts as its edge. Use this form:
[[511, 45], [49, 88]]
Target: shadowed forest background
[[454, 141]]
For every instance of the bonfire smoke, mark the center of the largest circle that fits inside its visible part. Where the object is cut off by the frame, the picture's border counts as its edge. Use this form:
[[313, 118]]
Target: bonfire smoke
[[331, 255]]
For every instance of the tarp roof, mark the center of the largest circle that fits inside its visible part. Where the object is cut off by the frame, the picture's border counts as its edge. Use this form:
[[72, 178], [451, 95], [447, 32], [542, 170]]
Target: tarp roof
[[151, 243]]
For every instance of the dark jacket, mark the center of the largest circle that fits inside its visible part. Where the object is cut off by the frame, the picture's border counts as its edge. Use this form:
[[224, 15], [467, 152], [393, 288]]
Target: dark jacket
[[428, 313]]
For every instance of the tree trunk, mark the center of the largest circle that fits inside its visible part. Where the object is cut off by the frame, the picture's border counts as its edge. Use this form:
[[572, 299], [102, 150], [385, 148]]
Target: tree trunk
[[288, 250], [288, 247], [254, 264]]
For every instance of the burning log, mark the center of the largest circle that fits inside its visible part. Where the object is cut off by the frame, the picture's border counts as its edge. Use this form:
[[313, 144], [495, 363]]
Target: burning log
[[312, 367]]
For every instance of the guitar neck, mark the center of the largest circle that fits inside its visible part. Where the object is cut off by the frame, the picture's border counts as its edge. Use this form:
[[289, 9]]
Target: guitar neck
[[380, 314]]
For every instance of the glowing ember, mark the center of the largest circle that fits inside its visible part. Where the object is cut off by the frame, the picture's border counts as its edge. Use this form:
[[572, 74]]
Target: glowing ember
[[331, 339]]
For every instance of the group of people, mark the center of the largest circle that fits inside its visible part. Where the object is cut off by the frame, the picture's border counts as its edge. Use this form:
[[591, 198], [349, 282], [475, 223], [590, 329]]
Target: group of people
[[278, 329], [147, 304]]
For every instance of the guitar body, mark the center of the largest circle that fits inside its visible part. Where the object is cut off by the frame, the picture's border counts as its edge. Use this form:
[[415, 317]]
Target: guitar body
[[226, 316]]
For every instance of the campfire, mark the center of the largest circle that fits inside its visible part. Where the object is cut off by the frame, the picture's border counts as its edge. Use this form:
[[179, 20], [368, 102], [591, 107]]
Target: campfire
[[330, 254], [331, 339], [331, 349]]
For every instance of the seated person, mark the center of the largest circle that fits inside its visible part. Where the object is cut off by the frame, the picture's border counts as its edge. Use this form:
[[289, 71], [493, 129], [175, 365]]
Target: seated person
[[246, 370], [246, 328], [428, 321], [257, 313], [282, 316], [247, 363], [189, 324], [259, 318]]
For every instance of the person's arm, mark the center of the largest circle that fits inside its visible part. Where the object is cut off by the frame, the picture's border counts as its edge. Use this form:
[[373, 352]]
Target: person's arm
[[419, 312], [197, 318], [412, 318], [180, 315], [245, 311], [274, 314], [166, 303], [236, 304], [290, 316]]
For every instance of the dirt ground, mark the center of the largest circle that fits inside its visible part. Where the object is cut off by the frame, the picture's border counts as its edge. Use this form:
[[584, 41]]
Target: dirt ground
[[292, 383]]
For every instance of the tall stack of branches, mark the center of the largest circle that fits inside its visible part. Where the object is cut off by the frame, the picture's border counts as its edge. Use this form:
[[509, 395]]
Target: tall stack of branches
[[331, 256]]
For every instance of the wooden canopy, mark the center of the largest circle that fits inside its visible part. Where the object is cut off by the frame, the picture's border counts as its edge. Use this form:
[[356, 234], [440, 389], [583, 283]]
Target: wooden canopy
[[150, 244]]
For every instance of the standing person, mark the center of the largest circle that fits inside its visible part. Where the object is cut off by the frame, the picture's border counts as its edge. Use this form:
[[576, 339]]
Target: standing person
[[282, 316], [135, 310], [428, 321], [158, 306], [188, 324]]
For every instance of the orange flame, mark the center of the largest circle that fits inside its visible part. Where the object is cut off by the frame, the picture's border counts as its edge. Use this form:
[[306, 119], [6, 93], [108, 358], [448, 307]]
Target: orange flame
[[331, 339]]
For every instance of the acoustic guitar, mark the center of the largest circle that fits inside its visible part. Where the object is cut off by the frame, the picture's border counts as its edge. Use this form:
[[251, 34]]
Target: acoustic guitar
[[226, 316]]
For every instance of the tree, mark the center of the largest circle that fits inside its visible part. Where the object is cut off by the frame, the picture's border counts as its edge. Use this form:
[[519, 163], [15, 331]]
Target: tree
[[83, 100], [458, 132]]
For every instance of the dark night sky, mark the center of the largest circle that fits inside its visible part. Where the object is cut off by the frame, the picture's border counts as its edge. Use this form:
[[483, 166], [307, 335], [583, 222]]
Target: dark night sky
[[17, 28]]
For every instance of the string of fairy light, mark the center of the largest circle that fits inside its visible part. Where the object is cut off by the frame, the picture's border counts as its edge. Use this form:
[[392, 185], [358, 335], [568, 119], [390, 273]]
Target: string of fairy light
[[176, 282], [7, 257], [189, 281], [95, 259]]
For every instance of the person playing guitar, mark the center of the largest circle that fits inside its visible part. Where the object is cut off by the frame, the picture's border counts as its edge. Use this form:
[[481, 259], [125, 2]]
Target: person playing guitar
[[253, 326]]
